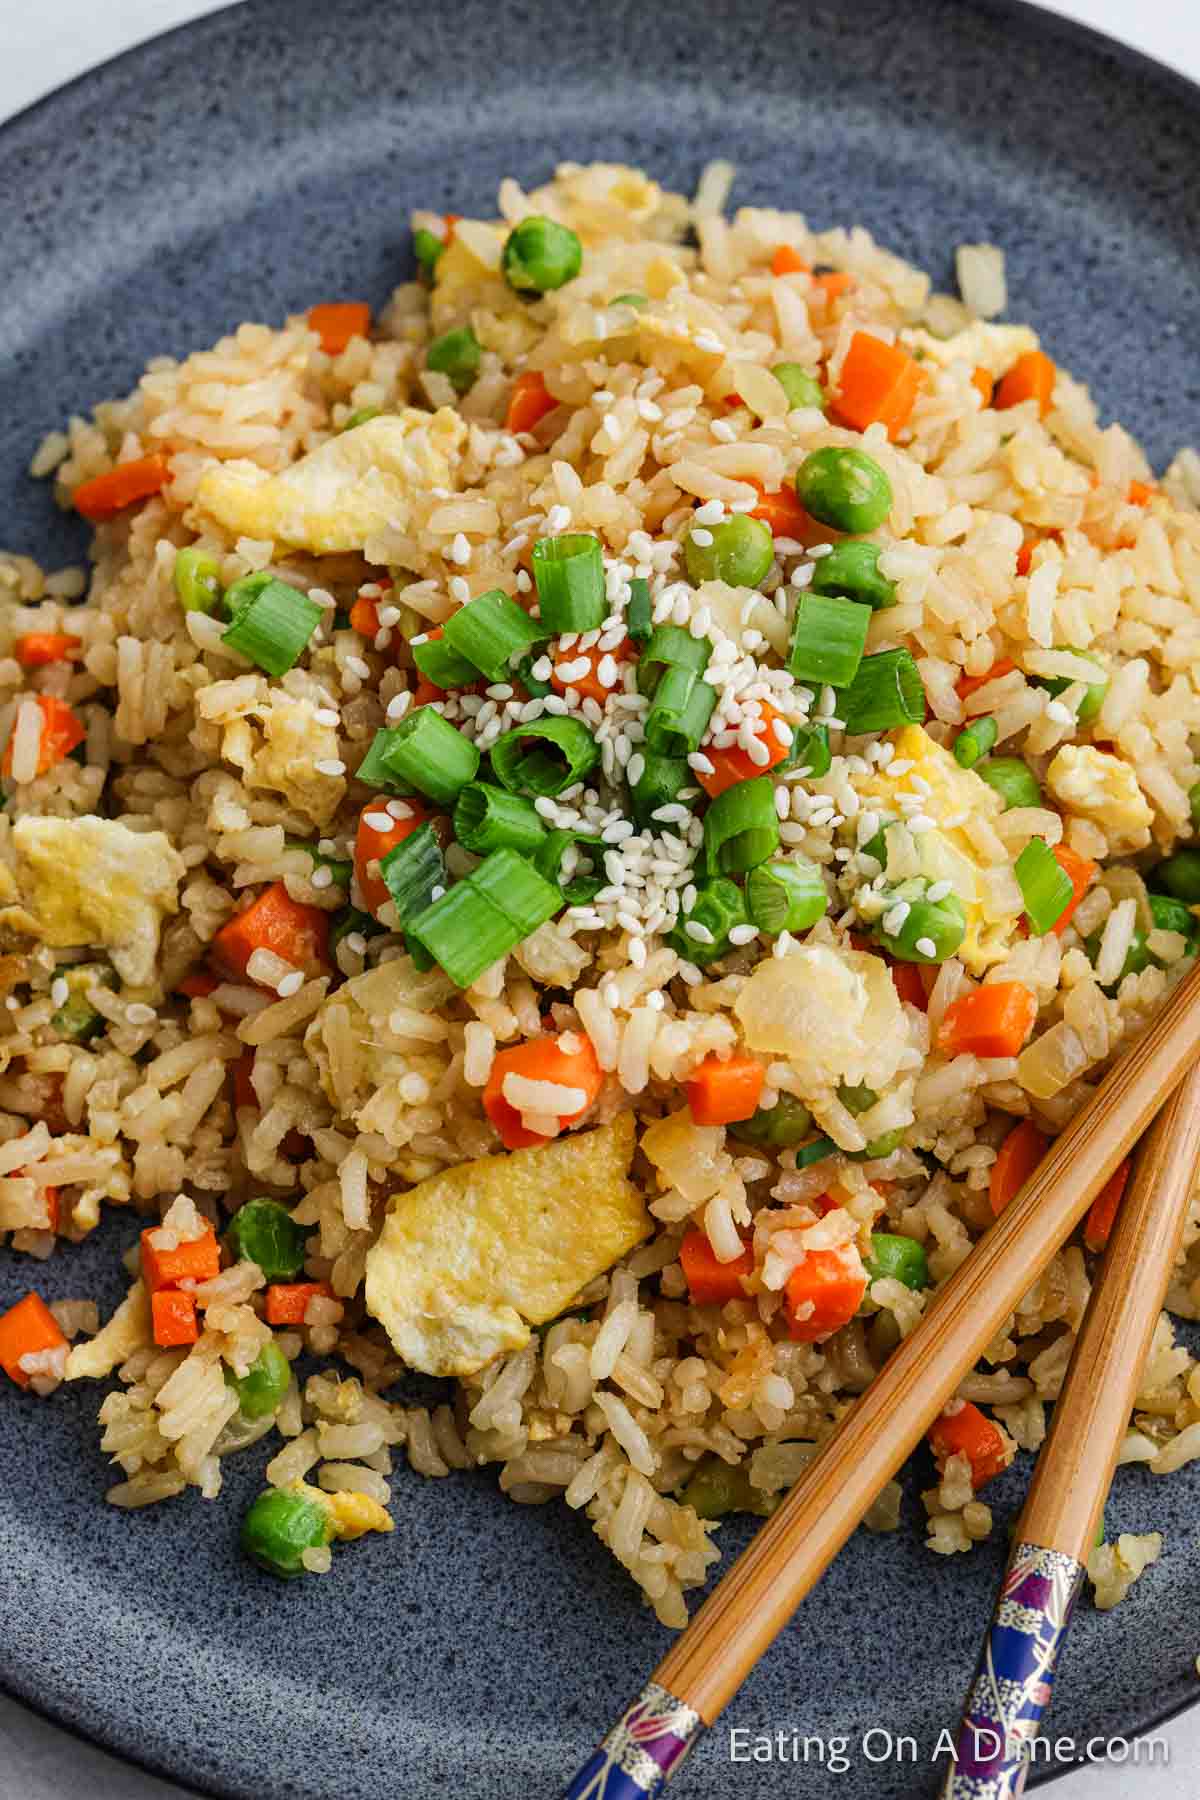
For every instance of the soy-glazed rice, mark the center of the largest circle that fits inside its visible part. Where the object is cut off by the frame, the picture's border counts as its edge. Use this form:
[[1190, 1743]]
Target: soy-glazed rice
[[1025, 547]]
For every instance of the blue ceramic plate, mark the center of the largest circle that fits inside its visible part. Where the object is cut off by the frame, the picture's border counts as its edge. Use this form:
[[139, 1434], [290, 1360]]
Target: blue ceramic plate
[[266, 157]]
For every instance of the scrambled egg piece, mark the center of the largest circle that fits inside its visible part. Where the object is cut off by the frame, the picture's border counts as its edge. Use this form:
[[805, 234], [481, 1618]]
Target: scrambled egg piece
[[128, 1330], [294, 741], [1094, 785], [94, 881], [468, 1258], [351, 1514], [947, 853], [341, 494], [991, 347]]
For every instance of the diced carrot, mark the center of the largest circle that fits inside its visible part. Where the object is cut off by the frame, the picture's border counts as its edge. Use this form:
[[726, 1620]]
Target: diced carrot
[[1016, 1159], [450, 220], [197, 1260], [364, 617], [529, 401], [1031, 377], [782, 511], [823, 1293], [173, 1318], [590, 686], [712, 1283], [1025, 556], [243, 1082], [962, 1430], [879, 384], [53, 1207], [787, 261], [1082, 872], [906, 979], [61, 731], [981, 380], [541, 1059], [37, 649], [967, 684], [1141, 493], [104, 496], [732, 764], [426, 692], [287, 1301], [723, 1090], [1102, 1213], [834, 282], [337, 321], [198, 984], [296, 933], [995, 1020], [373, 842], [26, 1328]]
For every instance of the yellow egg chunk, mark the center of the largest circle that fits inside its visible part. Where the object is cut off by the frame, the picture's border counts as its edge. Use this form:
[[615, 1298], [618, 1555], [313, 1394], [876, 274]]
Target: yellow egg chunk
[[468, 1259], [91, 881], [951, 797], [355, 1514], [335, 498]]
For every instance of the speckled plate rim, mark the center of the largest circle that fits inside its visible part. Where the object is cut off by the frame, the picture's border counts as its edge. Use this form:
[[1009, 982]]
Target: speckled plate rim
[[183, 36]]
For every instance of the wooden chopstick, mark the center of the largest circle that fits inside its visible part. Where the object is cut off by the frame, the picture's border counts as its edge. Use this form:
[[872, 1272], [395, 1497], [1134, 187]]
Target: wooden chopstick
[[1056, 1530], [746, 1611]]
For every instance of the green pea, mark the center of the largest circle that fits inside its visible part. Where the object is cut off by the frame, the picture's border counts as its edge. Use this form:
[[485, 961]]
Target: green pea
[[1171, 915], [279, 1527], [877, 1148], [339, 867], [1194, 803], [197, 580], [539, 254], [361, 417], [260, 1391], [783, 1125], [846, 489], [801, 387], [1093, 698], [427, 248], [899, 1259], [1180, 875], [637, 301], [933, 931], [877, 847], [851, 571], [1137, 957], [457, 355], [974, 741], [857, 1099], [715, 1489], [810, 750], [77, 1018], [740, 553], [265, 1233], [1012, 779]]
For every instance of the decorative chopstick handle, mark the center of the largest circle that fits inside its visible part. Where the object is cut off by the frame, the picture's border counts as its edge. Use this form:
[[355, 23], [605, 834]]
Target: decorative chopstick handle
[[1013, 1682], [642, 1751]]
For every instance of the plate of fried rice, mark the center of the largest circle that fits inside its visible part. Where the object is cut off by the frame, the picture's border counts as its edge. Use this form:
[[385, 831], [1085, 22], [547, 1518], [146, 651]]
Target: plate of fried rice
[[599, 747]]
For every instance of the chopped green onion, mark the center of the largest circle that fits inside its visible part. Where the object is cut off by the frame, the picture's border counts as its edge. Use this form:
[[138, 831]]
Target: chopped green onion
[[351, 919], [679, 712], [426, 750], [490, 818], [412, 870], [456, 355], [485, 916], [340, 868], [932, 931], [810, 750], [739, 551], [1093, 697], [513, 885], [974, 741], [569, 573], [858, 1098], [635, 300], [844, 488], [719, 907], [540, 254], [265, 1233], [197, 580], [896, 1258], [877, 846], [670, 647], [1170, 914], [489, 631], [878, 1147], [639, 613], [439, 662], [581, 887], [271, 622], [786, 896], [361, 416], [77, 1018], [659, 784], [784, 1125], [815, 1152], [544, 757], [534, 686], [1046, 888], [828, 639], [1194, 803], [427, 248], [373, 770], [741, 827], [1012, 779], [887, 691], [851, 570], [715, 1489], [800, 385], [1180, 875]]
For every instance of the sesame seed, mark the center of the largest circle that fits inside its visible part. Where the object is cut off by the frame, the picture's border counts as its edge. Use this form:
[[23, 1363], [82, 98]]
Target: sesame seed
[[354, 940], [939, 890], [59, 992], [289, 984], [698, 932], [377, 821], [689, 974], [460, 550], [723, 431], [635, 768], [742, 934], [329, 765], [436, 891], [558, 518], [617, 832], [322, 878], [399, 809], [702, 764], [325, 715], [414, 1089], [139, 1014], [524, 581], [926, 946], [460, 589], [701, 537], [389, 615], [637, 952], [398, 706], [893, 921]]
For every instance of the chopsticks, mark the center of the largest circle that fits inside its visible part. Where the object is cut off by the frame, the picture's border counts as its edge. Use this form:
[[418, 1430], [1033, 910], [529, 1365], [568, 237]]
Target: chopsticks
[[751, 1605], [1012, 1686]]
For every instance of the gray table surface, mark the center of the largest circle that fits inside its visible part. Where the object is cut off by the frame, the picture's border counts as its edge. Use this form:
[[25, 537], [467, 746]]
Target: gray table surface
[[49, 44]]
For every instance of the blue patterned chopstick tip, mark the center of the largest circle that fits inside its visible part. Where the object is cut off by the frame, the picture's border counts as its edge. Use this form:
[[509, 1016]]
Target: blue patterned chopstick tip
[[642, 1751]]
